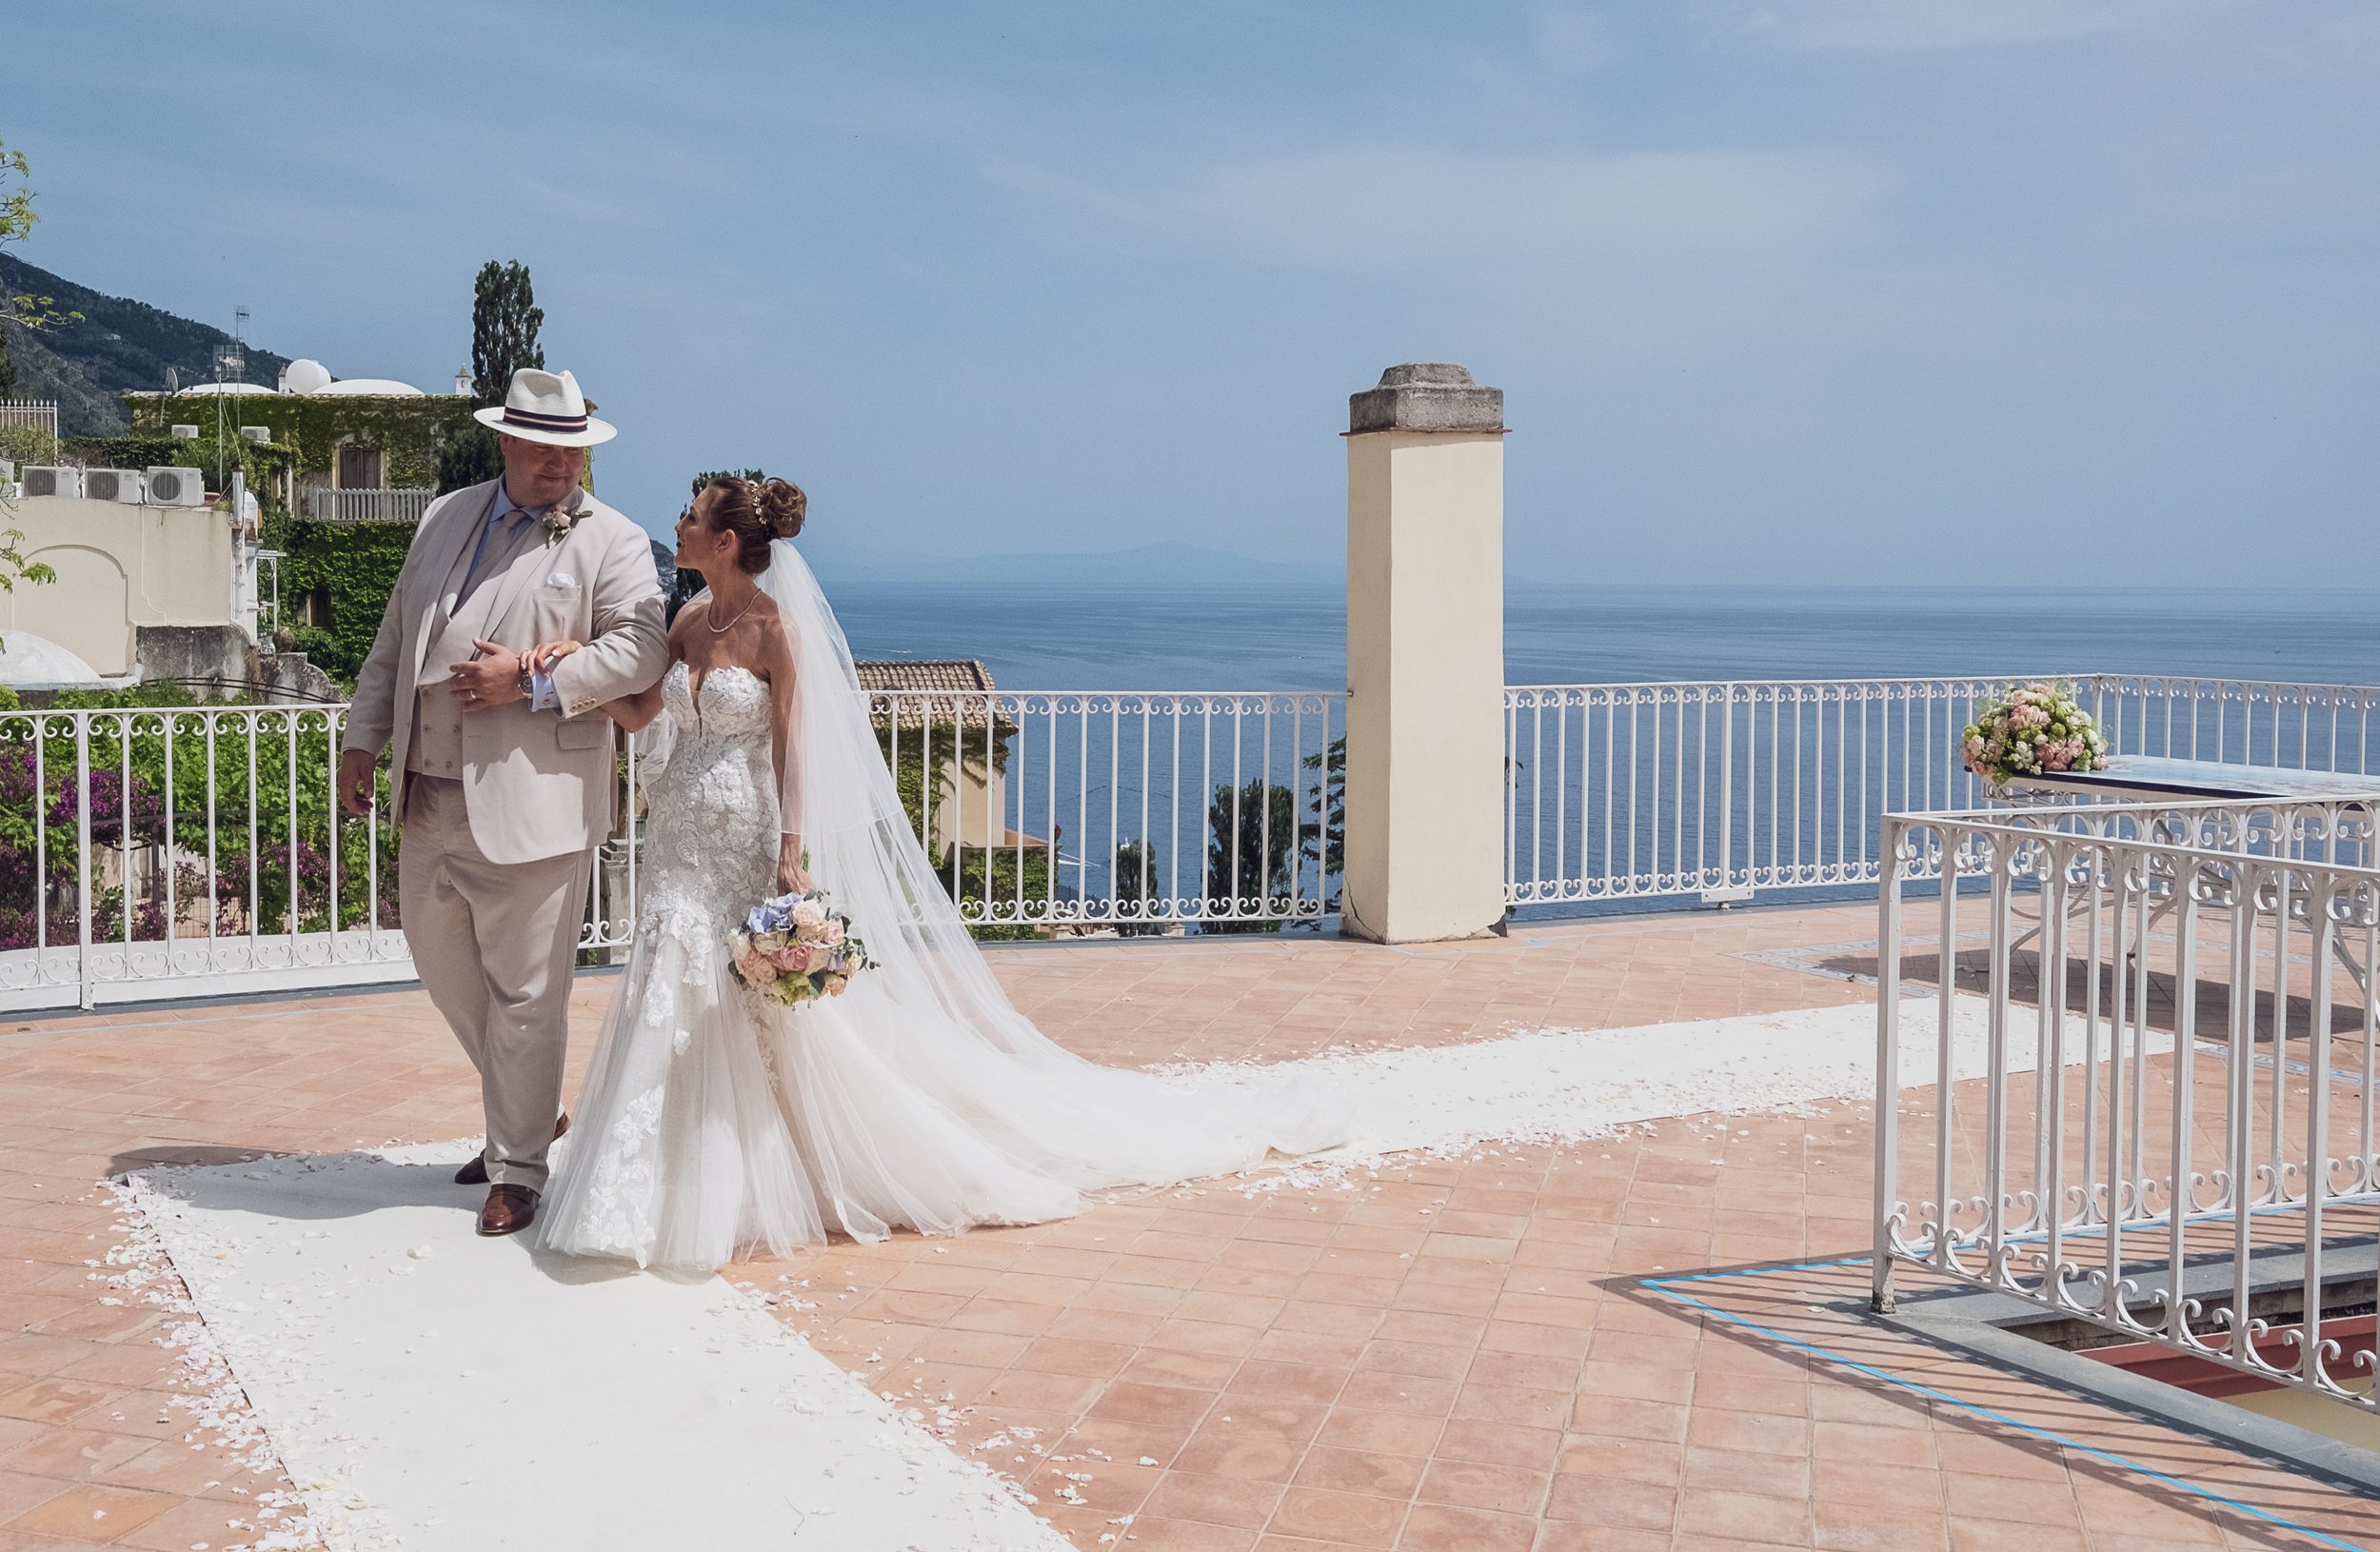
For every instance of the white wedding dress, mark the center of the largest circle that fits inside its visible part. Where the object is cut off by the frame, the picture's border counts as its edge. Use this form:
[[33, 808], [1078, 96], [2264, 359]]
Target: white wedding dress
[[713, 1127]]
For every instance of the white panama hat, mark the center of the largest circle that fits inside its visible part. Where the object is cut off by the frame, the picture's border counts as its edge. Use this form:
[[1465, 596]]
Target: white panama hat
[[547, 407]]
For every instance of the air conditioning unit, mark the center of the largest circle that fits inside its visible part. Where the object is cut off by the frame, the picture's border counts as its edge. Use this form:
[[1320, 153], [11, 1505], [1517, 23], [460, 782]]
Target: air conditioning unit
[[185, 433], [257, 433], [177, 487], [46, 480], [113, 485]]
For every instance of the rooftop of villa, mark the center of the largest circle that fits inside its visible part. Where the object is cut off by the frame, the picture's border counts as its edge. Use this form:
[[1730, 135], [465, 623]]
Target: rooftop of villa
[[1489, 1349]]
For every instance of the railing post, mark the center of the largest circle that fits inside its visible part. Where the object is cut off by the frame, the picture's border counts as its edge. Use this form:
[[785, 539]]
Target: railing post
[[1425, 657], [88, 988], [1888, 1079], [1726, 880]]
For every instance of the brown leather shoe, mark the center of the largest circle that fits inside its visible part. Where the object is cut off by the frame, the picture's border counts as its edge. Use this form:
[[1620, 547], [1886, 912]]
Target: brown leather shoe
[[509, 1209], [475, 1173]]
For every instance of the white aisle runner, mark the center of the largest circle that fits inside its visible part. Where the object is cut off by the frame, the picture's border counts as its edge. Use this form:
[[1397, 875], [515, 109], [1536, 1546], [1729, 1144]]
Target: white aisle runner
[[429, 1389]]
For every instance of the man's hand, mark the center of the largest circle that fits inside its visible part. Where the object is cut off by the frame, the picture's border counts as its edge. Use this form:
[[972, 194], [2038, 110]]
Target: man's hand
[[355, 780], [491, 679]]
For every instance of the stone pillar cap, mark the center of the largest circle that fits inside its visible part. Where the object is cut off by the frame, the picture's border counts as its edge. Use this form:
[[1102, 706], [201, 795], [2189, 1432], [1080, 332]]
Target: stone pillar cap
[[1426, 396]]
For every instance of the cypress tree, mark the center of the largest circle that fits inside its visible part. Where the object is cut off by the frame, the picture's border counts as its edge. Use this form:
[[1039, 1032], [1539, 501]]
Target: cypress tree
[[504, 321]]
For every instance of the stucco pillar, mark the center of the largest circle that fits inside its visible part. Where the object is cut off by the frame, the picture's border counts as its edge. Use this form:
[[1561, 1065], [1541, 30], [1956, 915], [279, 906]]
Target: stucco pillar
[[1425, 657]]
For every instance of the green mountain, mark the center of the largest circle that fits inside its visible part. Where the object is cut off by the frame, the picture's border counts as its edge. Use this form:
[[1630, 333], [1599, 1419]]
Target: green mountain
[[118, 344]]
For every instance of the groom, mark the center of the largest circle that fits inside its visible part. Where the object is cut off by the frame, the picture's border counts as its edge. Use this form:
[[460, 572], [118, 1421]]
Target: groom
[[504, 779]]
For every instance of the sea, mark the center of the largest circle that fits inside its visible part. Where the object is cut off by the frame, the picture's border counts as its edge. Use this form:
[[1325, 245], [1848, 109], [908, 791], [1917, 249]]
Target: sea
[[1260, 639]]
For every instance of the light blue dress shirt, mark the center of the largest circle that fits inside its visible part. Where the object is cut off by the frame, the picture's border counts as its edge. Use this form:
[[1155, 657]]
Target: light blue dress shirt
[[543, 696]]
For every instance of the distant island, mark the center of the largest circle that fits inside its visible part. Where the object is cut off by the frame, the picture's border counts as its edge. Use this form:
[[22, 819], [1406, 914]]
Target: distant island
[[1172, 564]]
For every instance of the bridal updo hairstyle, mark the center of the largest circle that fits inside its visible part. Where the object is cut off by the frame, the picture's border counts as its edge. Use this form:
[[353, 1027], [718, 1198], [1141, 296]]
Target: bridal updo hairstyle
[[755, 512]]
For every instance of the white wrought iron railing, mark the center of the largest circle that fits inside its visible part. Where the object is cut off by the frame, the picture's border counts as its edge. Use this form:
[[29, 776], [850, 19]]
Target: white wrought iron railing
[[2151, 1108], [194, 851], [1145, 812], [325, 504], [1716, 790]]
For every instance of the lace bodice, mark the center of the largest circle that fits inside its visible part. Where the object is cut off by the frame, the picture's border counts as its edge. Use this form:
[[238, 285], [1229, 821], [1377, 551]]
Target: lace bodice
[[711, 830]]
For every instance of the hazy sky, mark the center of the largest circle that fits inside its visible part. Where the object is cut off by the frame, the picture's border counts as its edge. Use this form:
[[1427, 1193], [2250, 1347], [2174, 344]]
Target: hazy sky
[[1841, 289]]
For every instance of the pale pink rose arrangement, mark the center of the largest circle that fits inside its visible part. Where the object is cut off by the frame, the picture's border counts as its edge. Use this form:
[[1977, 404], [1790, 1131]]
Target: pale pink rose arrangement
[[2030, 731], [796, 948]]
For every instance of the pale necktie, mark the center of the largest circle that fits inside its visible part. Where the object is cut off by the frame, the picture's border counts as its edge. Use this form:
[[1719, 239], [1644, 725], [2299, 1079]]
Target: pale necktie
[[495, 542]]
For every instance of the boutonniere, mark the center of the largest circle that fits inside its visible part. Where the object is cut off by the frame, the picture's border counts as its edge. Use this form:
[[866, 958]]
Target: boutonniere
[[557, 522]]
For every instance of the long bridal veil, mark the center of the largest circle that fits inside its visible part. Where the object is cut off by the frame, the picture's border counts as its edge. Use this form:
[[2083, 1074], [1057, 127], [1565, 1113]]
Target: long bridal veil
[[983, 1101]]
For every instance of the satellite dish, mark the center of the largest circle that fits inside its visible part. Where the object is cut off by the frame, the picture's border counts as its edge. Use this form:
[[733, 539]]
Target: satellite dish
[[305, 376]]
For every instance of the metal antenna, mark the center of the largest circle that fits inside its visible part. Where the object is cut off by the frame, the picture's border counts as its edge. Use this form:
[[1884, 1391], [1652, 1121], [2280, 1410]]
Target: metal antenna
[[227, 363]]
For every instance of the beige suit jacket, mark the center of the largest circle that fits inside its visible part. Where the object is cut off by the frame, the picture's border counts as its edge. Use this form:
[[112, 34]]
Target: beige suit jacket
[[536, 784]]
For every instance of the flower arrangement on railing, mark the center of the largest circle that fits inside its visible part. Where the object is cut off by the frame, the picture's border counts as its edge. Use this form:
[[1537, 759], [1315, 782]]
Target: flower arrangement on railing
[[2033, 729]]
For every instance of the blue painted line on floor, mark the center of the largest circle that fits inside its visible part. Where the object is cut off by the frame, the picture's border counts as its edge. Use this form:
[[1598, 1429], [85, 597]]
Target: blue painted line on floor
[[1662, 1285]]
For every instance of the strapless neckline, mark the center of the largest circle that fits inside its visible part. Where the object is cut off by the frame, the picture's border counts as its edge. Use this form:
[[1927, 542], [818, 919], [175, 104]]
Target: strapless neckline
[[694, 690]]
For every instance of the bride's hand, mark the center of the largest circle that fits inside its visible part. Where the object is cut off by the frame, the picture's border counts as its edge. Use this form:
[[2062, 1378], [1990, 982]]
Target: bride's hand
[[792, 878], [543, 657]]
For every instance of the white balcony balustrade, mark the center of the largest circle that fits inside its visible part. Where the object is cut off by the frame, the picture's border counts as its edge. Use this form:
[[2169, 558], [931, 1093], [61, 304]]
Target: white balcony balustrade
[[198, 850], [1714, 790], [2151, 1044], [325, 504]]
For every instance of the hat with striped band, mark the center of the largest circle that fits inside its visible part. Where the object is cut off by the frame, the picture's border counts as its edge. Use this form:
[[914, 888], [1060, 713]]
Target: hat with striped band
[[547, 407]]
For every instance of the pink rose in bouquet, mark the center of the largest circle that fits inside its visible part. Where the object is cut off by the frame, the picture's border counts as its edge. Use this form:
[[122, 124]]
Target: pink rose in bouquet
[[796, 947]]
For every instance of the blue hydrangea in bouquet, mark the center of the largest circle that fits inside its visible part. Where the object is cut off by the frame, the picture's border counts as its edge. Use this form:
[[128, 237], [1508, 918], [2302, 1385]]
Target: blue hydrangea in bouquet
[[797, 948]]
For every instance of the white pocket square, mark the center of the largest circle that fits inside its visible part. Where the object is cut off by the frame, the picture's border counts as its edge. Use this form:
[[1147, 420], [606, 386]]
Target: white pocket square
[[562, 578]]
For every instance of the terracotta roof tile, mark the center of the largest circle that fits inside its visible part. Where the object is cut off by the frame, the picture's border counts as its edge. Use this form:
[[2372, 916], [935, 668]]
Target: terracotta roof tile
[[917, 682], [925, 673]]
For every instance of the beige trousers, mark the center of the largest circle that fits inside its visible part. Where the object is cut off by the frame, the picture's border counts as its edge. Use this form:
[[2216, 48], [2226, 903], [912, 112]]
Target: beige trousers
[[494, 944]]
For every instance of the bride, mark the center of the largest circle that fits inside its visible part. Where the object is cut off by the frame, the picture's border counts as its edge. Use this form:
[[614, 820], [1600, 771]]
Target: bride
[[714, 1126]]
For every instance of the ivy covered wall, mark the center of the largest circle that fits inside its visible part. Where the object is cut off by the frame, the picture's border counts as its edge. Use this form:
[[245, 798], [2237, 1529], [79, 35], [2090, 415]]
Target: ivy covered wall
[[311, 427], [348, 567]]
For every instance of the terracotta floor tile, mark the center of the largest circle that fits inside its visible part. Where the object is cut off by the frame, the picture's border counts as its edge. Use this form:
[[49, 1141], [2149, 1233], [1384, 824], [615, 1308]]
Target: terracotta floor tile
[[1625, 1505], [1505, 1489], [2004, 1536], [1433, 1527], [1499, 1444], [92, 1512], [1744, 1517], [1352, 1518], [1865, 1527], [1360, 1471], [20, 1491], [1220, 1501], [1136, 1402], [74, 1454]]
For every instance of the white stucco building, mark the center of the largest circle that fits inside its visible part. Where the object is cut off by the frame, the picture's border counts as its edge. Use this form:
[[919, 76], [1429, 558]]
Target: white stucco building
[[146, 590]]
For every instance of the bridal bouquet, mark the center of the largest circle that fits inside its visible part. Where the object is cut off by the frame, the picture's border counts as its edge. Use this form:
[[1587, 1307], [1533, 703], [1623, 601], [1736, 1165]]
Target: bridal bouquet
[[2031, 730], [795, 948]]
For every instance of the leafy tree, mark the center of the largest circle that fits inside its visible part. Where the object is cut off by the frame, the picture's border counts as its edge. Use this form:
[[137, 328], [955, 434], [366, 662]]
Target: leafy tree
[[1326, 809], [16, 223], [1251, 830], [17, 217], [1140, 880], [504, 321]]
